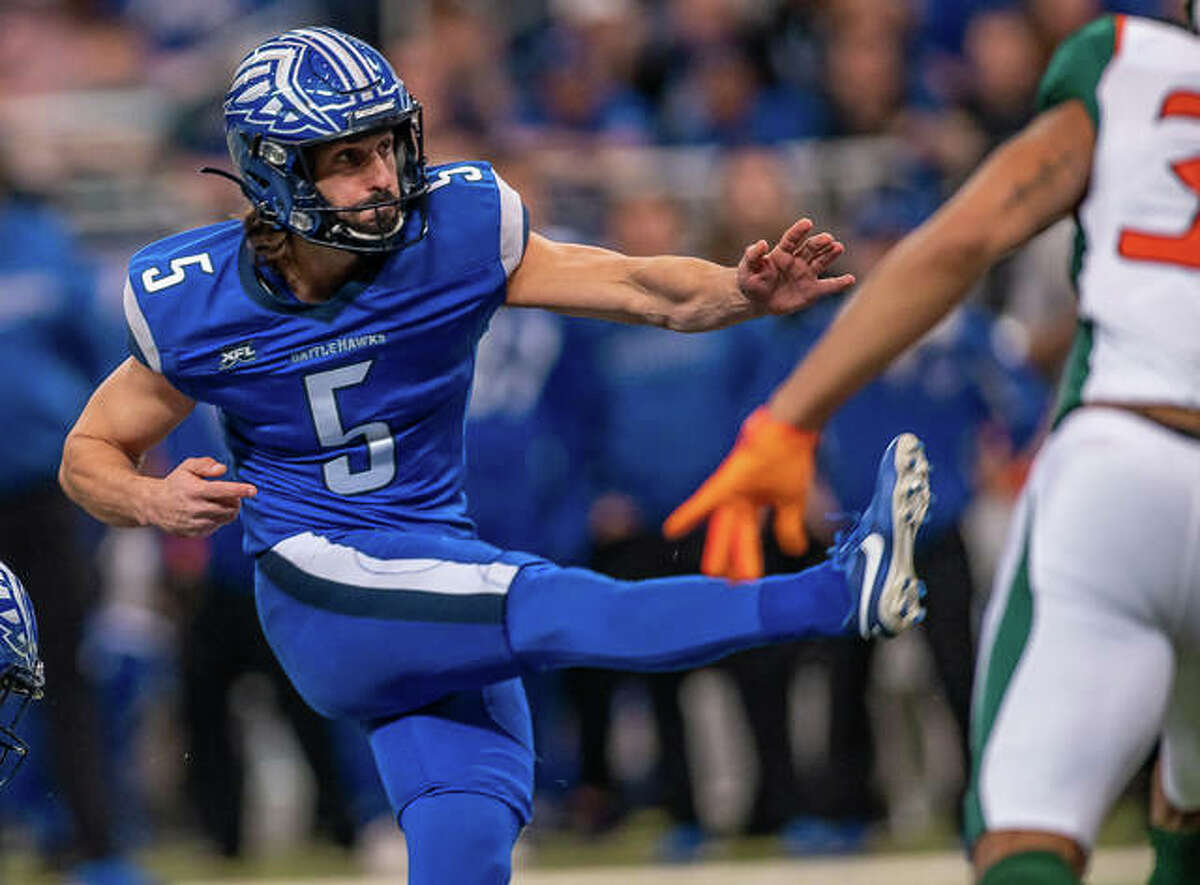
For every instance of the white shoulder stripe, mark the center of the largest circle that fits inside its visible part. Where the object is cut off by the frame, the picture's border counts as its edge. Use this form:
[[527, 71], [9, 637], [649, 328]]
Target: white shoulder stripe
[[512, 226], [141, 329], [341, 564]]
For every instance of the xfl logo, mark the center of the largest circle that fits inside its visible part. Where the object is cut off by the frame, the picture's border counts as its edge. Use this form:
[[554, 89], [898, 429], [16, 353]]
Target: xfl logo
[[236, 356]]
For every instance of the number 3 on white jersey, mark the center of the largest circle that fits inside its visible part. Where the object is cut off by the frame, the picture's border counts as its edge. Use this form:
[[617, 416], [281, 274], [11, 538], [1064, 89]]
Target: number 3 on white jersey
[[1138, 245], [153, 282]]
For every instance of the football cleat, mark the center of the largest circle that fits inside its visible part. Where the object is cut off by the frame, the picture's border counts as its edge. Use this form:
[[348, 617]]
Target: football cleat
[[876, 553]]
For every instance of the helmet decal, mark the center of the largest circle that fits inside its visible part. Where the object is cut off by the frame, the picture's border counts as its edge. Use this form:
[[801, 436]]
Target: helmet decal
[[268, 92], [18, 633], [266, 95], [21, 674], [356, 69]]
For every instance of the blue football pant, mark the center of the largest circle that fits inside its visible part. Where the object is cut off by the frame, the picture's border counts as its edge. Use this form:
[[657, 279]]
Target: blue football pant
[[375, 624], [464, 838], [420, 638]]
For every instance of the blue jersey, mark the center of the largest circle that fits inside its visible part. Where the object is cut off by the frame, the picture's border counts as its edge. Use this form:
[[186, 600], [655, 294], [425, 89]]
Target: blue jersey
[[346, 414]]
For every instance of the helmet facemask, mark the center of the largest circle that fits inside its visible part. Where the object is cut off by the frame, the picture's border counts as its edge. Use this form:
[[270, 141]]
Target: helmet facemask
[[386, 225], [311, 215], [17, 689]]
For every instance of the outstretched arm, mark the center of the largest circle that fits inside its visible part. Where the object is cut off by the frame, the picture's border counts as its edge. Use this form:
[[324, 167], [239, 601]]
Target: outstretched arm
[[130, 412], [684, 294], [1031, 181]]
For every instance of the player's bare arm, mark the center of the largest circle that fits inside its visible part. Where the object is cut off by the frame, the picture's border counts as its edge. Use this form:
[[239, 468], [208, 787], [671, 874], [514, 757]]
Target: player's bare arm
[[1030, 182], [132, 411], [684, 294]]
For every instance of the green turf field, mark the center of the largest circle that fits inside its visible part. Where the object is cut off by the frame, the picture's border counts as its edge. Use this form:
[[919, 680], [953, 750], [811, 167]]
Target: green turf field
[[1113, 866], [626, 856]]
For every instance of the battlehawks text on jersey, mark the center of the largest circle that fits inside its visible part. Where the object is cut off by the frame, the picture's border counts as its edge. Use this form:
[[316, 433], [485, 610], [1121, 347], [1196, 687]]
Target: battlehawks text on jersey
[[346, 414], [1137, 261]]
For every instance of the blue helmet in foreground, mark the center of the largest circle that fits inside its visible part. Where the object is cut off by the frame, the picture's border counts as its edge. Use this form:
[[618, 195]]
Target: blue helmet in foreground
[[21, 679], [303, 88]]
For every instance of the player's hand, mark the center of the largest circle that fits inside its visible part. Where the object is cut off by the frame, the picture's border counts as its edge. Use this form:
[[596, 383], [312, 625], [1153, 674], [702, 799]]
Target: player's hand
[[192, 502], [771, 465], [787, 277]]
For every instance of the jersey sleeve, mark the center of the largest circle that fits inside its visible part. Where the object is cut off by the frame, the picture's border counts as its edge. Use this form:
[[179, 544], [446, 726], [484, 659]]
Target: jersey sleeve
[[514, 226], [171, 306], [140, 337], [1075, 70]]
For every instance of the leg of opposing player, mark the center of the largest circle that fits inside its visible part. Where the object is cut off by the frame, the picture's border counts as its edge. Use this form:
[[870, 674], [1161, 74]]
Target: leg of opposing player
[[1175, 795], [1175, 836], [1079, 650]]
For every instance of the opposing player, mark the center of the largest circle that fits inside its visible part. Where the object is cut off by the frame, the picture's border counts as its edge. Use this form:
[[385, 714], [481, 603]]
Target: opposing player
[[336, 331], [21, 679], [1091, 647]]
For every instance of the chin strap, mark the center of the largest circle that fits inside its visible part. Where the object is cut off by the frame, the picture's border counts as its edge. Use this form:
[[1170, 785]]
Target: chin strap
[[340, 228]]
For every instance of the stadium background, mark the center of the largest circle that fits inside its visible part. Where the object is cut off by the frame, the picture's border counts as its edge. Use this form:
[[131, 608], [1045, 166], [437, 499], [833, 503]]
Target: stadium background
[[690, 126]]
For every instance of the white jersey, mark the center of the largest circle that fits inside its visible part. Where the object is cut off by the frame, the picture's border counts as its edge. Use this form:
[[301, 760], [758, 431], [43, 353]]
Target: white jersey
[[1138, 252]]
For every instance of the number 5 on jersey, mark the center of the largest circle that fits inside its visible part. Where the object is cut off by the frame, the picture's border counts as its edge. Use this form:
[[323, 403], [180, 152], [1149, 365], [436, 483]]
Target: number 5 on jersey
[[1183, 250], [152, 281], [381, 447]]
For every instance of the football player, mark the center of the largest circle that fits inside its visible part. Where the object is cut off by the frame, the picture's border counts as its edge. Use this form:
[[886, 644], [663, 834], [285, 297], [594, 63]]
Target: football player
[[336, 331], [21, 677], [1090, 652]]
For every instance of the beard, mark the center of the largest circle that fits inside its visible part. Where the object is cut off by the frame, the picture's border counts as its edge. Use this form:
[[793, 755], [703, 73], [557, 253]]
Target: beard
[[377, 215]]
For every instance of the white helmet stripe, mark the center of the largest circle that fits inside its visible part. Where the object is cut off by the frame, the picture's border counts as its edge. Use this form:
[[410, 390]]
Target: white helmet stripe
[[286, 84], [355, 51], [249, 72], [24, 606], [350, 63]]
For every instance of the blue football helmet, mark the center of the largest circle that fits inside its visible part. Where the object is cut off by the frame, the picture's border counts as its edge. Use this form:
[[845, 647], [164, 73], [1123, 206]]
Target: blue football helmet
[[310, 86], [21, 678]]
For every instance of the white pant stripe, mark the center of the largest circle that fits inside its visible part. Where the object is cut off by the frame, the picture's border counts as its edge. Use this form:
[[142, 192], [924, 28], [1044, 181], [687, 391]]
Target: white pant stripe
[[341, 564]]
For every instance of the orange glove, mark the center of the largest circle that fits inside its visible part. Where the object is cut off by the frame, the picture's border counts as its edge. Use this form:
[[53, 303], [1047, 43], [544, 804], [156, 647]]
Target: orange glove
[[771, 465]]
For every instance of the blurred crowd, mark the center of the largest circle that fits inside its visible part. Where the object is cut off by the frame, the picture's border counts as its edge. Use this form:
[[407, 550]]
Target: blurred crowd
[[651, 126]]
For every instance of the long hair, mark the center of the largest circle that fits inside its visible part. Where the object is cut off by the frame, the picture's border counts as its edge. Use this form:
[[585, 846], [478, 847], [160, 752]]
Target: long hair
[[272, 244]]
